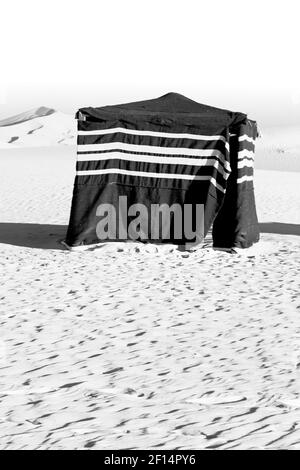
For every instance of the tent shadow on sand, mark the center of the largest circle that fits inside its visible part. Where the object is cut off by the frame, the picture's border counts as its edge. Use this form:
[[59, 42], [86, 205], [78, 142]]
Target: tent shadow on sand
[[48, 236], [41, 236], [280, 228]]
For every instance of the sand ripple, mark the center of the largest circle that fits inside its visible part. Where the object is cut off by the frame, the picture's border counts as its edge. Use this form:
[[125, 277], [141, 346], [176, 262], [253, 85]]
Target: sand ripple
[[111, 348]]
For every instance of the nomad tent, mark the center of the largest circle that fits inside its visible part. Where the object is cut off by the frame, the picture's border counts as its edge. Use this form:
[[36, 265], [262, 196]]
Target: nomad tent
[[141, 164]]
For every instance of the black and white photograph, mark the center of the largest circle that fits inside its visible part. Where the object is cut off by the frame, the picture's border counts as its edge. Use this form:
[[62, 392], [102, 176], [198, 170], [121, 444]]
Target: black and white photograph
[[150, 228]]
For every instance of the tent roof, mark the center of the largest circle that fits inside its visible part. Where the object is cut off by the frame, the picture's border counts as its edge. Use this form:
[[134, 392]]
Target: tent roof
[[171, 105]]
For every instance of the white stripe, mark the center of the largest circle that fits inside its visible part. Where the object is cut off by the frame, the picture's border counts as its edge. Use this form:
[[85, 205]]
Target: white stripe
[[152, 159], [244, 178], [245, 163], [150, 149], [151, 175], [245, 154], [153, 134], [244, 137]]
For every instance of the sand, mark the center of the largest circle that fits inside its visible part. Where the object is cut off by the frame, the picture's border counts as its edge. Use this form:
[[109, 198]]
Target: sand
[[136, 346], [38, 127]]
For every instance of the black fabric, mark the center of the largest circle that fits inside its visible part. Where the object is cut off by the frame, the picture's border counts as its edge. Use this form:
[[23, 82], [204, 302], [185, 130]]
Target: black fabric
[[236, 223], [89, 196], [172, 112], [169, 150]]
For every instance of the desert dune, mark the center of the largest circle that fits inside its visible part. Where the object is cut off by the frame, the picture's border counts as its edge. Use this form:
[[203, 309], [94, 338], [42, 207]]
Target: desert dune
[[40, 127]]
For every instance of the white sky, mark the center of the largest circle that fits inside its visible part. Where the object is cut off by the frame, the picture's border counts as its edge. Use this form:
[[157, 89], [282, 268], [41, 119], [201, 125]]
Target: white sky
[[228, 53]]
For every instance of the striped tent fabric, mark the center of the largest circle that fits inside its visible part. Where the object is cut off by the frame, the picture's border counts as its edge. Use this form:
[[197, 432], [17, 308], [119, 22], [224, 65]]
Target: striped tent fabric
[[236, 223], [169, 150]]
